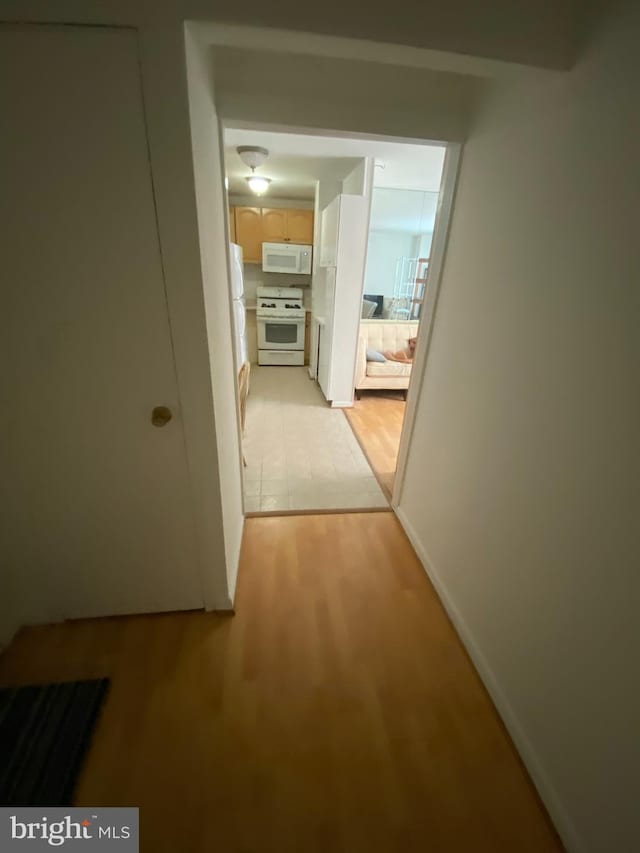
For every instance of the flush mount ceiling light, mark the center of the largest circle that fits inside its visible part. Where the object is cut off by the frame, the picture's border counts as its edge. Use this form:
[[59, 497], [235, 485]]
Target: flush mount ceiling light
[[258, 185], [253, 156]]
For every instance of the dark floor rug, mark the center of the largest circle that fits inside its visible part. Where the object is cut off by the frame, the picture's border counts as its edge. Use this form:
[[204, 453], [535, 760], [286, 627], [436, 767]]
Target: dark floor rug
[[45, 732]]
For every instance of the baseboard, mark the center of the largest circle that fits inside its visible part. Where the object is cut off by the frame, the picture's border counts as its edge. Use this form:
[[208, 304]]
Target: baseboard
[[525, 749], [341, 404]]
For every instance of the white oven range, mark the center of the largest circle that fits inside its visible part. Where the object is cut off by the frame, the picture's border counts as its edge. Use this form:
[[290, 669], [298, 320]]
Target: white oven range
[[280, 318]]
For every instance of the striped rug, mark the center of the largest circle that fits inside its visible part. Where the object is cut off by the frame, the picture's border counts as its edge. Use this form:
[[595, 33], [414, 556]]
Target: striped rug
[[45, 731]]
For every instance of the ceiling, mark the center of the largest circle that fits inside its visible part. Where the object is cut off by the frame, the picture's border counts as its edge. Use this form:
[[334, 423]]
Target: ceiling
[[291, 176], [296, 161]]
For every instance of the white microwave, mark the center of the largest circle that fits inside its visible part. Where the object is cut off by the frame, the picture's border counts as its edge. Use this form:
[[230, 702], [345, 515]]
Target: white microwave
[[286, 257]]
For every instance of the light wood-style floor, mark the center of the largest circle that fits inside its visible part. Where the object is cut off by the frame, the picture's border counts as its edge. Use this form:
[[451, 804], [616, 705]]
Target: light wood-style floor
[[336, 711], [377, 421]]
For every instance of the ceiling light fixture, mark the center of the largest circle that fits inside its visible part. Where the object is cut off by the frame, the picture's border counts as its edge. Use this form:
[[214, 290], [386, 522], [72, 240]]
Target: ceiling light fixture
[[258, 185], [254, 156]]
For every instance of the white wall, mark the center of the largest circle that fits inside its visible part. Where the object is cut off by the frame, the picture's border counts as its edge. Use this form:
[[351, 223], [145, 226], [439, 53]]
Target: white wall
[[355, 183], [424, 245], [523, 473], [518, 30], [291, 89], [384, 249], [213, 230]]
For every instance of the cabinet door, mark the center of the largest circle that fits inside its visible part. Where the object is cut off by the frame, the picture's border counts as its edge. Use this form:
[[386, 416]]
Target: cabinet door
[[274, 224], [300, 226], [249, 233]]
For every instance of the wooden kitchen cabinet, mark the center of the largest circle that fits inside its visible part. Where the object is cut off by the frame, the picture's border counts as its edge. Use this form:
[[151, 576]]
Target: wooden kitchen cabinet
[[300, 226], [249, 233], [274, 224], [287, 225], [253, 226]]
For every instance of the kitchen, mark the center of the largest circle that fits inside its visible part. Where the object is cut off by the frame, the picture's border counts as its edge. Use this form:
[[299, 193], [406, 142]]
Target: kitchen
[[274, 252], [300, 454]]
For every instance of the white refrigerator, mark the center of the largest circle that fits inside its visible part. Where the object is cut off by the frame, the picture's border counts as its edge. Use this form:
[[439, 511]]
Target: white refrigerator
[[238, 306]]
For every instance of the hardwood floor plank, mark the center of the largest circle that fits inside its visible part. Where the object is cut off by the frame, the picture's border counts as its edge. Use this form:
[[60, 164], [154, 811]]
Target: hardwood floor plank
[[336, 710], [376, 420]]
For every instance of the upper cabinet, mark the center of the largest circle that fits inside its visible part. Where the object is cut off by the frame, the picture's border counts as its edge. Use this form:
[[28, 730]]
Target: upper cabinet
[[287, 225], [255, 225], [300, 226], [249, 233], [274, 224]]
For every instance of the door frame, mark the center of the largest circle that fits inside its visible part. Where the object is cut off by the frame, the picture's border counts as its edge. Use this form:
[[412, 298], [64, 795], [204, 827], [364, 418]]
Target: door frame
[[448, 183], [211, 35]]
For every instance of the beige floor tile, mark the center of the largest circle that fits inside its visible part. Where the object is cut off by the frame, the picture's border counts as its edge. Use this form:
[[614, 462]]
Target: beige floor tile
[[272, 503], [275, 487], [274, 471], [302, 486], [302, 502], [252, 470], [355, 501], [303, 453], [378, 500], [252, 504]]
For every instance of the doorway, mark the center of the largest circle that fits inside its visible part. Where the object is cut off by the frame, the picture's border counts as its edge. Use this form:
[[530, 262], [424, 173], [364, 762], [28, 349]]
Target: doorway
[[395, 286], [359, 198], [337, 396]]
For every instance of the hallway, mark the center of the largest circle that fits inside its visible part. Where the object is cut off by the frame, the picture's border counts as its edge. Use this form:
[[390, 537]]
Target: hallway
[[337, 711]]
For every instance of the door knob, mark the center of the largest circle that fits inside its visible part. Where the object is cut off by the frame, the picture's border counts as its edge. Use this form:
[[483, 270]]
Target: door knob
[[161, 416]]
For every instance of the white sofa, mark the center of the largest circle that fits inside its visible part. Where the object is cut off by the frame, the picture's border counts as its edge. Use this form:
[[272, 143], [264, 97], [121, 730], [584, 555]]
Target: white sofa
[[383, 335]]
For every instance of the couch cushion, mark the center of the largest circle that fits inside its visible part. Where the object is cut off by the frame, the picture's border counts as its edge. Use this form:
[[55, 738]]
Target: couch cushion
[[390, 335], [389, 368]]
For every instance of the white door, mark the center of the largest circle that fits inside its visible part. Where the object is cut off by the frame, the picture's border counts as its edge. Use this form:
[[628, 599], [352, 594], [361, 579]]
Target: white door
[[98, 510]]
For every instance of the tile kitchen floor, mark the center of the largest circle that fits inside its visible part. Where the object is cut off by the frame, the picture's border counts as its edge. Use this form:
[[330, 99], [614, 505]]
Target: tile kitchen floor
[[300, 453]]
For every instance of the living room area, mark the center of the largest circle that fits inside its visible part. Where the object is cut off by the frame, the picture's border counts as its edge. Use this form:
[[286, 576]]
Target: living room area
[[395, 290]]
